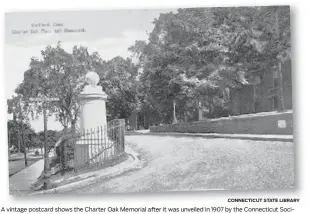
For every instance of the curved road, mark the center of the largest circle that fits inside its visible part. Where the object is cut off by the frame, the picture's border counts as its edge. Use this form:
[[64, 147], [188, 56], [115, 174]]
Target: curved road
[[191, 163]]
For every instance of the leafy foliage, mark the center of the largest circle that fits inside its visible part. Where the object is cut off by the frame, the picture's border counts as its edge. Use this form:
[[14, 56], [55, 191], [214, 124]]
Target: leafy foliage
[[15, 134], [197, 55], [52, 137], [61, 75], [119, 80]]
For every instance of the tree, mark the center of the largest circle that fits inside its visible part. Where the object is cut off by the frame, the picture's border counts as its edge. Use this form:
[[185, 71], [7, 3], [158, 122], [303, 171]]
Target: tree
[[279, 40], [118, 77], [202, 53], [52, 138], [15, 133], [174, 66], [19, 108], [262, 39], [61, 75]]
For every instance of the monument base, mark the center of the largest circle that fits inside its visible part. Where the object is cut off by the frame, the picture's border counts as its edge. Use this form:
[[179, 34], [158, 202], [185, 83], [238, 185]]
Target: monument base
[[92, 151]]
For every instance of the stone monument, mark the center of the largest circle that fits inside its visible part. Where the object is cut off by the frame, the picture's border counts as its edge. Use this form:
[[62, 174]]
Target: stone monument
[[93, 103], [93, 121]]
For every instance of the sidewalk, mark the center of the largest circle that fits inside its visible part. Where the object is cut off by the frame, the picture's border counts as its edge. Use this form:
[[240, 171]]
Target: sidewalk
[[133, 162], [258, 137], [20, 182]]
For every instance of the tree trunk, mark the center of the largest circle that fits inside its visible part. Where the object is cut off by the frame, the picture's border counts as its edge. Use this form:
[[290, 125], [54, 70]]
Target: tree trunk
[[18, 139], [136, 121], [65, 129], [186, 116], [144, 122], [73, 130], [41, 146], [254, 98], [280, 76], [186, 120], [281, 107], [174, 114]]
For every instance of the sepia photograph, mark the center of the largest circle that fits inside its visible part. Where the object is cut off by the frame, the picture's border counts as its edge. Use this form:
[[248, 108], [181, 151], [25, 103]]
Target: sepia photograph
[[149, 100]]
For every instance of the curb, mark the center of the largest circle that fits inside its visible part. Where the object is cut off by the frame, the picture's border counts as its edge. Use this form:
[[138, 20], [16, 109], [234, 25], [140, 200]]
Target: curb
[[285, 138], [135, 164]]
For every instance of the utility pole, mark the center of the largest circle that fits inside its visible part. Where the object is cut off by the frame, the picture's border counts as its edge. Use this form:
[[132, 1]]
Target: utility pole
[[44, 101], [46, 158]]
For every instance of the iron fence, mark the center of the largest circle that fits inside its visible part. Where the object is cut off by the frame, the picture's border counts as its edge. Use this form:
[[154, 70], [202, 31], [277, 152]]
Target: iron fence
[[92, 147]]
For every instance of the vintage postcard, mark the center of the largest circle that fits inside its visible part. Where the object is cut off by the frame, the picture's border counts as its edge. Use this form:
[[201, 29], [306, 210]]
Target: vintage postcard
[[153, 100]]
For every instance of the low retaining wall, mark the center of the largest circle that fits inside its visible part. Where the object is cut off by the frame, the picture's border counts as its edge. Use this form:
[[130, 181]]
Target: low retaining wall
[[261, 123]]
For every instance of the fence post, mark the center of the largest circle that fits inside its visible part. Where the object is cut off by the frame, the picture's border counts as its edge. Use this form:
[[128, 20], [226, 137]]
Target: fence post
[[97, 147], [65, 154], [75, 155], [122, 135], [105, 140]]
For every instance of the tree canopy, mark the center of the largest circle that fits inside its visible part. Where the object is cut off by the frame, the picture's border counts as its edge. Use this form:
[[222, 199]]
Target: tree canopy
[[59, 74], [198, 54]]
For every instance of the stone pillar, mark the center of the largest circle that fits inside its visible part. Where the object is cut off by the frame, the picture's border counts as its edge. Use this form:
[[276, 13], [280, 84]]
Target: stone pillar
[[93, 120], [93, 104]]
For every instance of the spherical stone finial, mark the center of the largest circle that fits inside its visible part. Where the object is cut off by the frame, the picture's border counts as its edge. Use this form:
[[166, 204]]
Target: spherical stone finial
[[92, 78]]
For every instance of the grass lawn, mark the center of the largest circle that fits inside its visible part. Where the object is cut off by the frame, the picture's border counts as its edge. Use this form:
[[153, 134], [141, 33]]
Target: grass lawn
[[17, 161]]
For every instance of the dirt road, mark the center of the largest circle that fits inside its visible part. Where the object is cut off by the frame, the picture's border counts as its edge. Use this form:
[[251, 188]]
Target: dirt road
[[191, 163]]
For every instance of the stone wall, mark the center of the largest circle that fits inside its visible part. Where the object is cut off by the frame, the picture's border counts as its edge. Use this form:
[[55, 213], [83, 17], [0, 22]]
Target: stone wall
[[261, 123]]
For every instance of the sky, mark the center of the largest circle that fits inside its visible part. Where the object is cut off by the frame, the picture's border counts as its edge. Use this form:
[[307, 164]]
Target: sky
[[110, 33]]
